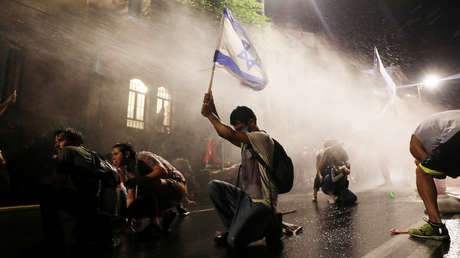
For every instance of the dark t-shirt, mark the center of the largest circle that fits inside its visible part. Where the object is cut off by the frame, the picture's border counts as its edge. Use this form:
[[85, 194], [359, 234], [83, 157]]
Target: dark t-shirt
[[76, 164]]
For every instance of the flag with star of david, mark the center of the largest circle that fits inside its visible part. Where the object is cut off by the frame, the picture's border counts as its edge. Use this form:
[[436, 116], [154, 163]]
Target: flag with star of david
[[237, 55]]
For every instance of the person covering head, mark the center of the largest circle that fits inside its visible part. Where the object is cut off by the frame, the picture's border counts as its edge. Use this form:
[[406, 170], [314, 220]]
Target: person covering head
[[154, 186]]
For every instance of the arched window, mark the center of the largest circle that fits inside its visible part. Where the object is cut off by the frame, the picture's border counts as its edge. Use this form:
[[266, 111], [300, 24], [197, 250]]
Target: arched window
[[136, 104], [164, 109]]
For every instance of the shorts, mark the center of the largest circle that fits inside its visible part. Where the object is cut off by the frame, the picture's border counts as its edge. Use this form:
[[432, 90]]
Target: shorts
[[444, 161]]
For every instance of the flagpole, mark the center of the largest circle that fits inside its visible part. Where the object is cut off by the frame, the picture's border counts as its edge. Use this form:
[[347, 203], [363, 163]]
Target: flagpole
[[212, 77], [218, 44]]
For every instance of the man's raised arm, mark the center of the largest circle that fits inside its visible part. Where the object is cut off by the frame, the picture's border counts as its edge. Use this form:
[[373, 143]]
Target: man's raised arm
[[209, 111]]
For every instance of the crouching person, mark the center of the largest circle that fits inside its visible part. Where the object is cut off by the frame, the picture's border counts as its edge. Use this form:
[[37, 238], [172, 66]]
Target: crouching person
[[153, 187], [333, 169], [74, 189], [248, 213]]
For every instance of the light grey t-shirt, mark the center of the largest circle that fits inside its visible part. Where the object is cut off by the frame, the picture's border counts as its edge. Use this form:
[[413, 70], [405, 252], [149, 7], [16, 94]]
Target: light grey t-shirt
[[438, 129], [254, 178]]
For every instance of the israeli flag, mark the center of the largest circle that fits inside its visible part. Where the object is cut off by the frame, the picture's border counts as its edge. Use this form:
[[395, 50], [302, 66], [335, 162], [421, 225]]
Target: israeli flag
[[237, 55], [391, 86]]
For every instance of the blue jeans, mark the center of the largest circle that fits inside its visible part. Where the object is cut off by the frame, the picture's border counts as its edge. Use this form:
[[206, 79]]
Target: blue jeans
[[244, 220]]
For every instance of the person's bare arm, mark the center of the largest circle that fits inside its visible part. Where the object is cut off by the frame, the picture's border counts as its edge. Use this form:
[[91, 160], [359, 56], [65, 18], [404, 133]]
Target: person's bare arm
[[2, 159], [158, 171], [345, 169], [208, 110], [10, 99], [130, 197], [417, 150], [319, 167]]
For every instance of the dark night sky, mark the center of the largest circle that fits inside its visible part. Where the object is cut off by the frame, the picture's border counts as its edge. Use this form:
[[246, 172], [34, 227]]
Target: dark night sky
[[420, 36]]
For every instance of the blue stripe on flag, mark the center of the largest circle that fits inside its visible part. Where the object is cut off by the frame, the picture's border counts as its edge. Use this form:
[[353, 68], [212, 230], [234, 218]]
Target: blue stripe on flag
[[236, 25], [228, 62]]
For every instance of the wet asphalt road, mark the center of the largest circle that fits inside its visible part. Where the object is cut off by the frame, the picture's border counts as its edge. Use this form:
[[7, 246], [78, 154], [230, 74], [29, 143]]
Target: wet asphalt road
[[329, 231]]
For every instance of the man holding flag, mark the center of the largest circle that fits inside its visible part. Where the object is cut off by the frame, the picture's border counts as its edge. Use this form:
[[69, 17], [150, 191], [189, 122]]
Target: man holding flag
[[247, 212]]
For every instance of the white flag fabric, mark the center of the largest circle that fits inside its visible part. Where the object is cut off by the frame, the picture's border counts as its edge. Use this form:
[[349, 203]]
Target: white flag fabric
[[237, 55], [391, 86]]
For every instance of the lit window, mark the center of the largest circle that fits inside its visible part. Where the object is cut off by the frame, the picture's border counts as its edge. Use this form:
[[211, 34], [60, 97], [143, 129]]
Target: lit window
[[136, 104], [164, 109]]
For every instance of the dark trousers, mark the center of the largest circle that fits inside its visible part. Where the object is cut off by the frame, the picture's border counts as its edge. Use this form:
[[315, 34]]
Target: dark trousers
[[83, 210], [339, 189], [244, 220], [155, 196]]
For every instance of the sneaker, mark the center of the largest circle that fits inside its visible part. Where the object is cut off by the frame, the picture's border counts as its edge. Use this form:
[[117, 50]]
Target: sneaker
[[221, 239], [182, 211], [314, 198], [430, 230]]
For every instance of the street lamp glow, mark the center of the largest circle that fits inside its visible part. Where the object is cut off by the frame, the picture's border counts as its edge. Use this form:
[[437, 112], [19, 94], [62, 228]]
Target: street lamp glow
[[431, 81]]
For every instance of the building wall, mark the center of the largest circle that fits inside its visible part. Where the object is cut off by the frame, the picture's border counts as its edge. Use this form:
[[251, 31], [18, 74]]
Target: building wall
[[73, 70]]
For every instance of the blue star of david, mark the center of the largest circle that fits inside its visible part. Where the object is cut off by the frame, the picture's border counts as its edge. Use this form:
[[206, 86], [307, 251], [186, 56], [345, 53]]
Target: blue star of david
[[245, 56]]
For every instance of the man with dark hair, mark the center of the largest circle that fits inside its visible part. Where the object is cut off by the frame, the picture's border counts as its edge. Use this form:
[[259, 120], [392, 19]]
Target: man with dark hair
[[435, 145], [73, 189], [242, 114], [153, 184], [248, 213]]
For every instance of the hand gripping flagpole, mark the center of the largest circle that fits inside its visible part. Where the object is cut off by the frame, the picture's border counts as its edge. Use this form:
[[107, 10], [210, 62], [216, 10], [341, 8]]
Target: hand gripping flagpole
[[218, 45]]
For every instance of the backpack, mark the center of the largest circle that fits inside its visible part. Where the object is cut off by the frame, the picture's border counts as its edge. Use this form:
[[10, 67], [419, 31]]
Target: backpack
[[110, 199], [105, 172], [282, 173]]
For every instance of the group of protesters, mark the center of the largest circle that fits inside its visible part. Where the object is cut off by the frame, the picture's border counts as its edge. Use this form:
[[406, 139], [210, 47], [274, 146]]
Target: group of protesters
[[138, 186], [146, 191]]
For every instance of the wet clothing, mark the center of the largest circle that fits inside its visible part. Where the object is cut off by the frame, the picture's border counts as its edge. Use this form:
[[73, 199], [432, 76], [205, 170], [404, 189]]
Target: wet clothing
[[335, 181], [156, 197], [438, 129], [248, 213], [73, 189], [440, 137], [254, 178], [147, 161], [75, 164], [244, 219], [330, 158], [153, 196]]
